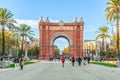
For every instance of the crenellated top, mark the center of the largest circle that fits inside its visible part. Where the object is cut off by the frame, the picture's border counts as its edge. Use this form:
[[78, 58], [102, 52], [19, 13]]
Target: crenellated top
[[75, 22]]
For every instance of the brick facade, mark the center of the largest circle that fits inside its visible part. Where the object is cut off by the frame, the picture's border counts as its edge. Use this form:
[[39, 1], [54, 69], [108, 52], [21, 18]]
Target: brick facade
[[49, 31]]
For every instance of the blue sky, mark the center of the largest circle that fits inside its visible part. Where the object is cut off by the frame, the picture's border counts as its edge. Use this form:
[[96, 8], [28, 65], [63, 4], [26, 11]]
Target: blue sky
[[29, 11]]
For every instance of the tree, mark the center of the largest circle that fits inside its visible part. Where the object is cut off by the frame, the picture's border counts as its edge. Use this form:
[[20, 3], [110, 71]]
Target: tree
[[16, 38], [113, 15], [33, 50], [66, 50], [110, 53], [5, 20], [25, 32], [9, 42], [103, 30], [56, 50]]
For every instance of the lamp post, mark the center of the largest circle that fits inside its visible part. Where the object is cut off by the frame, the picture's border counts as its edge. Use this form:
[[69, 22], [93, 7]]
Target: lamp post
[[26, 51], [87, 49], [96, 46]]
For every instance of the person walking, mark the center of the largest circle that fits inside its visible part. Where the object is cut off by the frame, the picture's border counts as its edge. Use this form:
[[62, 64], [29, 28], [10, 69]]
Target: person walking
[[73, 61], [84, 60], [63, 61], [21, 63], [79, 61], [88, 59]]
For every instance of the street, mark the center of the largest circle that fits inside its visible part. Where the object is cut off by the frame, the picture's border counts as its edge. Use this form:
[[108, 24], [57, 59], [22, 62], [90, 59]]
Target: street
[[54, 71]]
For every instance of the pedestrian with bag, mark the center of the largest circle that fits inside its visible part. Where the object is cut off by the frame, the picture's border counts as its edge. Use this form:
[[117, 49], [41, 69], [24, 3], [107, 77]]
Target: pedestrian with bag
[[73, 61], [21, 63]]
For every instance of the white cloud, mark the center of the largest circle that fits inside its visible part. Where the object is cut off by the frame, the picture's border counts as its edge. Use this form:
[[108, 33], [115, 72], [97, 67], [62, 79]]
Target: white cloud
[[88, 28], [32, 23]]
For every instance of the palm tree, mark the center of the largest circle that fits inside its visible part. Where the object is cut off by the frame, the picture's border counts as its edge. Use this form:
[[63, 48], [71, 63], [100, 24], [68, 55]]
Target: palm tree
[[24, 31], [113, 15], [5, 20], [103, 30], [16, 38]]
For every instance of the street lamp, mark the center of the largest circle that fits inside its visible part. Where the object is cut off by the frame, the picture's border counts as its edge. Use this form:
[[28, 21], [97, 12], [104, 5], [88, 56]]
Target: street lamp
[[26, 51]]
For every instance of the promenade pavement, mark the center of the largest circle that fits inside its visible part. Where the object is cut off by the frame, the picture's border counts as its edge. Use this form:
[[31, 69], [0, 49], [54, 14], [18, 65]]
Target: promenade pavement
[[53, 71]]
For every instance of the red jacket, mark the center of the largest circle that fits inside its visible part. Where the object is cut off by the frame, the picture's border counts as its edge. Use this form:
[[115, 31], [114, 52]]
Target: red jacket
[[63, 59]]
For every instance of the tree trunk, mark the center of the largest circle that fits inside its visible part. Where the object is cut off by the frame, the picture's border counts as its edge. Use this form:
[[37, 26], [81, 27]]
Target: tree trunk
[[103, 44], [102, 47], [3, 41], [117, 28], [16, 44]]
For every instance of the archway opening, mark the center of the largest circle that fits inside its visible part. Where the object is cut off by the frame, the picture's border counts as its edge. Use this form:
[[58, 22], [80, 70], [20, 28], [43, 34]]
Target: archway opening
[[61, 47]]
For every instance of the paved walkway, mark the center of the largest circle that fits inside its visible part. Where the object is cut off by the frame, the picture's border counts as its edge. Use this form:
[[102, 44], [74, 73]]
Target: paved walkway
[[54, 71]]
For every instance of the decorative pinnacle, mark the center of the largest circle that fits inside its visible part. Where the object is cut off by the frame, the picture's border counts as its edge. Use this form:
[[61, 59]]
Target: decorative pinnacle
[[41, 19], [61, 23], [75, 19], [81, 20], [47, 19]]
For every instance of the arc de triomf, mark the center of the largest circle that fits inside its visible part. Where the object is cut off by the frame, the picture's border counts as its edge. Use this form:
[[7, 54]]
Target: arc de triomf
[[50, 31]]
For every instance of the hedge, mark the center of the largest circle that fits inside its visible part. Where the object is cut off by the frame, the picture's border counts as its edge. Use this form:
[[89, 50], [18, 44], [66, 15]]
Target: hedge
[[26, 63], [104, 64]]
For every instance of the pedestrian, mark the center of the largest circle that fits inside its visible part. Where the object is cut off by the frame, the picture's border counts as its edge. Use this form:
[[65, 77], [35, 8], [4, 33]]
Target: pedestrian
[[84, 60], [63, 61], [88, 58], [79, 61], [1, 59], [73, 61], [21, 63]]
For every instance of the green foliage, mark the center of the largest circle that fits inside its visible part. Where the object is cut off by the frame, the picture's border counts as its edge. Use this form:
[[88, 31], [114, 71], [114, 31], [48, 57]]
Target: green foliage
[[112, 10], [113, 15], [104, 64], [56, 51], [103, 34], [6, 21], [110, 53], [12, 65], [33, 50], [24, 31], [26, 63]]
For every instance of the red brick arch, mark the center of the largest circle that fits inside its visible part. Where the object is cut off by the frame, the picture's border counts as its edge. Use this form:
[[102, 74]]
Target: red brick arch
[[61, 34], [49, 31]]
